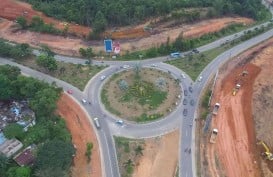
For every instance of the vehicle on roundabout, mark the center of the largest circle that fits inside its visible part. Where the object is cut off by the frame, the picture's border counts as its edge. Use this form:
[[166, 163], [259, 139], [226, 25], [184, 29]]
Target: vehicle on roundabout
[[69, 91]]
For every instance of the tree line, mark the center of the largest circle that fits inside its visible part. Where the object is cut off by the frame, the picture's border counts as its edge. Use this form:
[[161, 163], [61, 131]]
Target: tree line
[[55, 150], [102, 13]]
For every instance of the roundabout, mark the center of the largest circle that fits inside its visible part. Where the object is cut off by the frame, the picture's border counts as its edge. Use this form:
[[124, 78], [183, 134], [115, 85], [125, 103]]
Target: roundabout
[[141, 95]]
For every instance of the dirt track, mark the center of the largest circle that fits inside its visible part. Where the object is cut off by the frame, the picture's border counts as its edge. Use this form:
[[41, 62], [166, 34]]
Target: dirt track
[[79, 126]]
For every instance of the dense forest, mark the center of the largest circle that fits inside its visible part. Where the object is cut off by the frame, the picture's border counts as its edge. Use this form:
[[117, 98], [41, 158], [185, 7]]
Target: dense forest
[[54, 147], [103, 13]]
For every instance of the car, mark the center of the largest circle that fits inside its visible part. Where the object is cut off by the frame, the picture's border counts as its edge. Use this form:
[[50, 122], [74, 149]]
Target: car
[[120, 122], [186, 92], [192, 102], [97, 123], [185, 112], [102, 77], [191, 89], [185, 102], [183, 76], [84, 101], [126, 66], [69, 91], [200, 78], [87, 62], [153, 65], [195, 50]]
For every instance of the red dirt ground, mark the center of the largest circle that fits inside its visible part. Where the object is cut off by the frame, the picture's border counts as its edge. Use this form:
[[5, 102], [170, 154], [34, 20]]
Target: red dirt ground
[[11, 9], [82, 132], [236, 142]]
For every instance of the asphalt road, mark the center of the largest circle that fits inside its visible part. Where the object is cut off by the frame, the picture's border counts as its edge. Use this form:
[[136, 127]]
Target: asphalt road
[[175, 120]]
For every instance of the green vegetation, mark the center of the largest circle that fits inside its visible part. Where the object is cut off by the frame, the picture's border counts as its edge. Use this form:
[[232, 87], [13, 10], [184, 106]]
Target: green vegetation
[[146, 118], [105, 101], [103, 13], [77, 75], [181, 44], [14, 131], [37, 24], [19, 51], [194, 64], [127, 151], [54, 155], [88, 153]]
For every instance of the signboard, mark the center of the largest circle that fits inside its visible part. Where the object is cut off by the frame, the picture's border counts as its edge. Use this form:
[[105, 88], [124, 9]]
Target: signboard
[[108, 45], [116, 47]]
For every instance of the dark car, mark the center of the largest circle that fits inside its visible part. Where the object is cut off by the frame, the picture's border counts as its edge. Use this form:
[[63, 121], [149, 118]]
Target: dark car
[[185, 102], [192, 102], [195, 50], [185, 112], [186, 92], [191, 89]]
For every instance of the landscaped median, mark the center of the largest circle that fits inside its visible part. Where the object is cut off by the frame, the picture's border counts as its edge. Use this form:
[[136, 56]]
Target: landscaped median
[[193, 64], [141, 94]]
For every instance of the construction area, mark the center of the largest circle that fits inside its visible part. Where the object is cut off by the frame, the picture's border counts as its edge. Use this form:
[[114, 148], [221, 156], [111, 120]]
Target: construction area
[[131, 38], [238, 141]]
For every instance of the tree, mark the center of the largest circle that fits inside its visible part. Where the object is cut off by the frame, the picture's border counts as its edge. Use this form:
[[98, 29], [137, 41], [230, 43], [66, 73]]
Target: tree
[[4, 161], [123, 85], [5, 88], [137, 69], [19, 172], [14, 131], [55, 154], [44, 101], [47, 61], [88, 153], [12, 72], [139, 150], [46, 50], [51, 172], [22, 22], [161, 83], [99, 23]]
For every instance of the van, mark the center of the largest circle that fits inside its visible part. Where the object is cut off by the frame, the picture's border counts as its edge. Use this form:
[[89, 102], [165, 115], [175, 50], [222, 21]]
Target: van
[[97, 123]]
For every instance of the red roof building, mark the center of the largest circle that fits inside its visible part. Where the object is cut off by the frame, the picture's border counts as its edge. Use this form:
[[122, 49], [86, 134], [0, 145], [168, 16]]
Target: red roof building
[[25, 158]]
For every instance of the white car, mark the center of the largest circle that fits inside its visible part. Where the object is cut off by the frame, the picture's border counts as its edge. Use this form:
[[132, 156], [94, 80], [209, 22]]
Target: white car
[[120, 122], [102, 77], [183, 76], [126, 66], [200, 79], [84, 101], [153, 65]]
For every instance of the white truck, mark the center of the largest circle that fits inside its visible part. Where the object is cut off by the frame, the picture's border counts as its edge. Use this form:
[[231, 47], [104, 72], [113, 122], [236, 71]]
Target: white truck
[[216, 108], [213, 136]]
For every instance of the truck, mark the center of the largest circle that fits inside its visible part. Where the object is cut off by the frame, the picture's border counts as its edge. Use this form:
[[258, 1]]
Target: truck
[[213, 136], [236, 89], [97, 123], [215, 108]]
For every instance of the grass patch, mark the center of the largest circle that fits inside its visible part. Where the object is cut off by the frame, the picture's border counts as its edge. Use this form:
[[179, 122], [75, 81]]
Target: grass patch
[[129, 152], [146, 118], [74, 74], [106, 102], [194, 64]]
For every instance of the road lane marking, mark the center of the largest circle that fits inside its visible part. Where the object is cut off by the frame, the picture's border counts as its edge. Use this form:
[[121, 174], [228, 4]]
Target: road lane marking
[[186, 133]]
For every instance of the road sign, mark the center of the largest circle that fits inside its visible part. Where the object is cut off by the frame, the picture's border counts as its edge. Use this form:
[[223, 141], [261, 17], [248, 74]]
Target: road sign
[[116, 47], [108, 45]]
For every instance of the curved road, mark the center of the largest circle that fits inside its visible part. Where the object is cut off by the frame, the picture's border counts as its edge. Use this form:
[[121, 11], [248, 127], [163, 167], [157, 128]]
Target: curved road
[[175, 120]]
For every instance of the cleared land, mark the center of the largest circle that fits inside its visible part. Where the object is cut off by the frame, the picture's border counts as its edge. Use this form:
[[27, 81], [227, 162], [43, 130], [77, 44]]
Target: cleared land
[[160, 156], [243, 119], [82, 132]]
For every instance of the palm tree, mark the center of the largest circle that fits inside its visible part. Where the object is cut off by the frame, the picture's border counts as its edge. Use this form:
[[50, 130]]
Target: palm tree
[[123, 85], [137, 68], [139, 150], [128, 163], [161, 83]]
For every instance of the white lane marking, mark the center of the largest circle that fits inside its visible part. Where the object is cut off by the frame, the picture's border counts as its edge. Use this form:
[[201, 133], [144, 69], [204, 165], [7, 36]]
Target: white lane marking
[[186, 133], [108, 154]]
